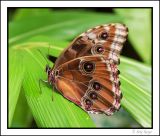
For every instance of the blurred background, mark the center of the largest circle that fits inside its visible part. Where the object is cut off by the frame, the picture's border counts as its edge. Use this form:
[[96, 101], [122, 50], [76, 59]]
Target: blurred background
[[28, 24]]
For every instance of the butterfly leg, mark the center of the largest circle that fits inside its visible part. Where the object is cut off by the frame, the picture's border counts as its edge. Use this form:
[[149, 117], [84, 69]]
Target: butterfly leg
[[53, 92], [52, 96], [43, 81]]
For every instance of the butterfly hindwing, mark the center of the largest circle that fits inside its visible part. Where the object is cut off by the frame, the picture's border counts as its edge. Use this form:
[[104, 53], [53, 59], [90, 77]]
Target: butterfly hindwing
[[91, 82]]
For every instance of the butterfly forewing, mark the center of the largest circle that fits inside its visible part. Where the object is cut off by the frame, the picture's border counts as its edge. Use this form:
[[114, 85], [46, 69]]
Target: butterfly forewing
[[105, 40]]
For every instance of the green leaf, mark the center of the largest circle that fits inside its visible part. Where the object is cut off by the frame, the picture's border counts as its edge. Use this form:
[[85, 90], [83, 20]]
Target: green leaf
[[136, 88], [62, 25], [16, 75], [139, 23], [120, 119], [31, 13], [22, 116]]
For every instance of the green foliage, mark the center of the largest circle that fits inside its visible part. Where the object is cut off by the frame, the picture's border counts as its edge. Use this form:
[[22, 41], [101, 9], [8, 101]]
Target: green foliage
[[14, 81], [32, 30], [139, 23], [22, 115], [136, 87]]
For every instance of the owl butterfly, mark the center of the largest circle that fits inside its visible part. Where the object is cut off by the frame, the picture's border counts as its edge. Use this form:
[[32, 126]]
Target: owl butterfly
[[86, 72]]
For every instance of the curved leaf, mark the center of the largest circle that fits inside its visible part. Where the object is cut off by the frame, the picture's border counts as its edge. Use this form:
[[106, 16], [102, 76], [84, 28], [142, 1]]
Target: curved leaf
[[22, 115], [16, 75]]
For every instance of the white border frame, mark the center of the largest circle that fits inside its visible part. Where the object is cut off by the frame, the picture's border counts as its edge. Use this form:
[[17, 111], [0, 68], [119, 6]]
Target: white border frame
[[154, 4]]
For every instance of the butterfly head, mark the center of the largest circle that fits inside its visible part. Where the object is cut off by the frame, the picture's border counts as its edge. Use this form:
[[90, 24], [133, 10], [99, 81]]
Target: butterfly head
[[51, 75]]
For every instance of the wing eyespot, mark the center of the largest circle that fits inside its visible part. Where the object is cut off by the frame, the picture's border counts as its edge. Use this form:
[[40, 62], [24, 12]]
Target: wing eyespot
[[88, 103], [93, 95], [96, 86], [98, 49], [103, 35], [87, 67]]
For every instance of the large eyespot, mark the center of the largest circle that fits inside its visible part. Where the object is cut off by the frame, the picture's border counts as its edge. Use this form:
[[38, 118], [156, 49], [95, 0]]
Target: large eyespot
[[104, 35], [96, 86], [88, 67], [100, 49], [93, 95], [88, 103]]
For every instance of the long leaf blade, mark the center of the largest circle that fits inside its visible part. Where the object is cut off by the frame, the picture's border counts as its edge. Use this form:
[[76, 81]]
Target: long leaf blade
[[16, 75], [136, 90]]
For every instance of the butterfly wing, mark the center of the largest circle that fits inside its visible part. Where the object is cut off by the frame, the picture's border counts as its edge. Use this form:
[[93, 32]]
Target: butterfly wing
[[86, 72], [105, 40], [91, 82]]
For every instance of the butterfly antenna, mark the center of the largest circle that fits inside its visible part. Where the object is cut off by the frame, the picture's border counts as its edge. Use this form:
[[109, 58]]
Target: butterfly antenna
[[43, 57], [49, 48], [50, 57]]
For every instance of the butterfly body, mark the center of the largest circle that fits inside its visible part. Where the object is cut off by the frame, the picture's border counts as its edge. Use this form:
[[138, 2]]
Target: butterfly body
[[86, 72]]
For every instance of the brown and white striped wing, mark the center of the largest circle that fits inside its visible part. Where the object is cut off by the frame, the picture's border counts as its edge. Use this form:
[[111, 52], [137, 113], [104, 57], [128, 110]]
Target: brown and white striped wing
[[105, 40], [91, 82]]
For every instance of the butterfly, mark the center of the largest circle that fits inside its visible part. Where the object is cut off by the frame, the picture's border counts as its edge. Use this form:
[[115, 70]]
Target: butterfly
[[86, 72]]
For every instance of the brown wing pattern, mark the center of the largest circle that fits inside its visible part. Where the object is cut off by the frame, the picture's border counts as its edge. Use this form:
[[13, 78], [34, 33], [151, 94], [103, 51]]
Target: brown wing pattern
[[107, 40], [86, 72], [91, 82]]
